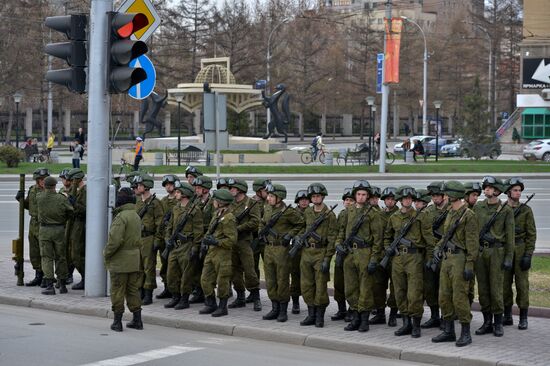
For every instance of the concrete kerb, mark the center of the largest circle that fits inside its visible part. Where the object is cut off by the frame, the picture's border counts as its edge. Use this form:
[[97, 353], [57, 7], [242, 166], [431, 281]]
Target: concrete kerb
[[353, 347]]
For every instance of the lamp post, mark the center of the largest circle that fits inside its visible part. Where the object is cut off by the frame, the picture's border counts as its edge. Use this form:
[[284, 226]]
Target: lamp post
[[17, 99], [370, 102], [179, 99], [372, 128], [268, 61], [437, 105], [425, 78]]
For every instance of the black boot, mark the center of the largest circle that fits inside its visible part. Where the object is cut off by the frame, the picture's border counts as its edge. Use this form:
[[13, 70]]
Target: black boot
[[70, 275], [172, 303], [183, 303], [274, 313], [62, 287], [209, 305], [348, 316], [364, 325], [197, 296], [508, 320], [406, 329], [498, 330], [341, 313], [256, 299], [283, 308], [37, 280], [448, 334], [434, 321], [250, 298], [379, 317], [239, 302], [222, 308], [79, 286], [50, 290], [487, 326], [310, 318], [392, 320], [136, 322], [355, 321], [465, 337], [117, 323], [295, 304], [165, 294], [415, 333], [522, 319], [147, 297], [320, 316]]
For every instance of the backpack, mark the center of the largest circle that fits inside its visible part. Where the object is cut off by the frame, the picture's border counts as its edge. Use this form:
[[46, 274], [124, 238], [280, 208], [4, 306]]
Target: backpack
[[314, 142]]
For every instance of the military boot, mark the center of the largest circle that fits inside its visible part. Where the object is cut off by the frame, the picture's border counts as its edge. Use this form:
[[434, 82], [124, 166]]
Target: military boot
[[37, 280], [274, 313], [172, 303], [320, 316], [310, 318], [197, 296], [257, 302], [364, 325], [50, 290], [62, 287], [522, 319], [379, 317], [117, 323], [283, 308], [295, 304], [448, 334], [498, 331], [249, 298], [239, 302], [465, 337], [165, 294], [487, 326], [434, 321], [147, 297], [183, 303], [79, 286], [406, 329], [70, 276], [136, 322], [209, 305], [355, 321], [415, 332], [348, 316], [392, 320], [222, 308], [341, 313], [508, 320]]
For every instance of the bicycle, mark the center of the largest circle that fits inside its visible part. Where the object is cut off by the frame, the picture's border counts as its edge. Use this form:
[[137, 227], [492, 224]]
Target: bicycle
[[307, 156], [390, 156]]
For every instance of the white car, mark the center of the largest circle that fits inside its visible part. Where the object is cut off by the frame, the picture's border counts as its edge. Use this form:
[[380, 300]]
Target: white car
[[537, 149], [398, 148]]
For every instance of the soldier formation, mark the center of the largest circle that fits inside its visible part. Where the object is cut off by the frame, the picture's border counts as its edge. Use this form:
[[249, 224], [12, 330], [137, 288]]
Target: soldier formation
[[423, 245]]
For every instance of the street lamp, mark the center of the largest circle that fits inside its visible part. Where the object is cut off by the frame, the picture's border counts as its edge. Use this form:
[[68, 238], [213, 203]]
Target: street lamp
[[425, 77], [370, 102], [179, 99], [17, 99], [268, 60], [437, 105]]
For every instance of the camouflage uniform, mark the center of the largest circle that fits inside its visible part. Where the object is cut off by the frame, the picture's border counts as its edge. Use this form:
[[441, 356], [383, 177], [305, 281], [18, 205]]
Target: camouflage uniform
[[77, 197]]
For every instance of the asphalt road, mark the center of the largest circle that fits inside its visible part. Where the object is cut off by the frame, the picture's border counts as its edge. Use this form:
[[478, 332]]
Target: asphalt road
[[41, 337]]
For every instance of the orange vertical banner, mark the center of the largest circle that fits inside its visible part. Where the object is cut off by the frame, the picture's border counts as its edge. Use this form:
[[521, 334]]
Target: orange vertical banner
[[393, 44]]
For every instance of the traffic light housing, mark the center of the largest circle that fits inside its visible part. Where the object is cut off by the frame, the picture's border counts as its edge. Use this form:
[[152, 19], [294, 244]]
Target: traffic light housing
[[73, 52], [122, 50]]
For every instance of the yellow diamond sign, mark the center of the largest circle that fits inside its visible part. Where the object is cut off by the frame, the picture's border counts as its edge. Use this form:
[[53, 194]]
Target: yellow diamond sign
[[145, 7]]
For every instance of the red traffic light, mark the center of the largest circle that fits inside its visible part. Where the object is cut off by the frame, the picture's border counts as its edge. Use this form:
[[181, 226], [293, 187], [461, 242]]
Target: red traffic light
[[126, 24]]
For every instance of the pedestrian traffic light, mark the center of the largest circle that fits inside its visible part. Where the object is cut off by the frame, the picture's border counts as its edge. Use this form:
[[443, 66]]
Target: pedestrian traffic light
[[121, 50], [73, 52]]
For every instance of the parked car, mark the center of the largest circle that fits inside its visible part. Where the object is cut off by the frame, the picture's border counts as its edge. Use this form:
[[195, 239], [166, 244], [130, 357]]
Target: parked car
[[478, 150], [398, 148], [429, 146], [537, 149], [451, 149]]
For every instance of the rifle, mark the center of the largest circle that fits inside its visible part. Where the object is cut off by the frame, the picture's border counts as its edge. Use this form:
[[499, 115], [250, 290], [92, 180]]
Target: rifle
[[438, 222], [171, 243], [484, 234], [517, 209], [145, 207], [268, 228], [211, 230], [342, 252], [401, 238], [245, 212], [310, 232], [447, 244]]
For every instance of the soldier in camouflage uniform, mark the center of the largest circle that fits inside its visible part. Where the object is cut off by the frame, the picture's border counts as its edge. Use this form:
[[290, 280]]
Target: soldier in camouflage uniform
[[247, 215], [457, 257], [276, 260], [77, 198], [218, 242], [53, 212], [64, 175], [184, 248], [497, 252], [525, 239], [302, 202], [151, 212], [374, 197], [473, 190], [122, 260], [191, 173], [259, 186]]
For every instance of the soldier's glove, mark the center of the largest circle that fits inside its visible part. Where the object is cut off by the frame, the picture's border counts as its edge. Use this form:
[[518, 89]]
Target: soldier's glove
[[371, 268], [72, 200], [325, 266], [437, 257], [390, 252], [210, 240], [468, 274], [193, 253], [525, 262], [20, 195], [507, 265], [286, 239], [157, 245]]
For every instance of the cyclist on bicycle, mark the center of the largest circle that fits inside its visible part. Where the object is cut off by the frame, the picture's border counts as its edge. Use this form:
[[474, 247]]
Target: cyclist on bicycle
[[317, 144]]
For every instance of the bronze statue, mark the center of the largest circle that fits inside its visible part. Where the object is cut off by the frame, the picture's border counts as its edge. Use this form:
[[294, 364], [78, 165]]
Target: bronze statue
[[149, 115], [279, 121]]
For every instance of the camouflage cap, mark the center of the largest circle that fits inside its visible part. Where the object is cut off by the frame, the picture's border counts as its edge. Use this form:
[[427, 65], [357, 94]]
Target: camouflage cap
[[50, 182]]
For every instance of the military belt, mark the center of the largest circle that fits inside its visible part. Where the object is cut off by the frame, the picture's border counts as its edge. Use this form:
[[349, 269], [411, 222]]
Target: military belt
[[146, 233], [487, 245], [360, 245], [410, 250], [316, 245], [52, 225], [456, 250]]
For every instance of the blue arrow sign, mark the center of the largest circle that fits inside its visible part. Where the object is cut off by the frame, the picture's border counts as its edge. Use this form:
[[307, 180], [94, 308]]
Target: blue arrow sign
[[145, 88], [379, 70]]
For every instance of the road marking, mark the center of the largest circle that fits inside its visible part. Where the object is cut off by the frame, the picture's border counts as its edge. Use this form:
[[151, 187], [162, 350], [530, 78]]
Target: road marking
[[142, 357]]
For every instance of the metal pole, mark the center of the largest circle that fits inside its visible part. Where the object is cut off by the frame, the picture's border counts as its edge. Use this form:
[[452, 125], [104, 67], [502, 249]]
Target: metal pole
[[99, 103], [19, 249], [385, 101], [362, 120], [179, 133], [50, 96], [371, 138], [436, 135], [17, 125], [217, 139]]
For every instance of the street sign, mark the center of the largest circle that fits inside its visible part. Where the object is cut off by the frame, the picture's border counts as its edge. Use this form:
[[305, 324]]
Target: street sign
[[144, 7], [145, 88], [379, 71], [536, 73]]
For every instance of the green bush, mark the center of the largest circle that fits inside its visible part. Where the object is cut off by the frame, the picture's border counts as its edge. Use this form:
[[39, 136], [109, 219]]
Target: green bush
[[11, 155]]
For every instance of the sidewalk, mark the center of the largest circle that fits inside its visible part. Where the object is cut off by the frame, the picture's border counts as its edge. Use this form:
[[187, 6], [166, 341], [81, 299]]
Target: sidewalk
[[515, 348]]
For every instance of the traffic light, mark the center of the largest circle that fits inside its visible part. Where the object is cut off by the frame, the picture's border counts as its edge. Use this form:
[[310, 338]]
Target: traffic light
[[122, 50], [73, 52]]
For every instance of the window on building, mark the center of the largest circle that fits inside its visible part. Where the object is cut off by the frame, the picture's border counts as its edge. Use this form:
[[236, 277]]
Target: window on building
[[535, 123]]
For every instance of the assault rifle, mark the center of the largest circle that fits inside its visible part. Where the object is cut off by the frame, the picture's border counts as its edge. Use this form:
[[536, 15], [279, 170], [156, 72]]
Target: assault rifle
[[145, 207], [268, 228], [245, 212], [447, 243], [400, 240], [177, 235], [517, 209], [438, 222], [484, 234], [297, 245], [204, 242], [343, 249]]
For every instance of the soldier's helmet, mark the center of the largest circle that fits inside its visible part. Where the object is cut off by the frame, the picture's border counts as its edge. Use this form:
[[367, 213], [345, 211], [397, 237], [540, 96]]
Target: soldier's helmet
[[130, 176], [389, 192], [223, 195], [405, 191], [240, 184], [276, 189], [75, 173], [64, 174], [260, 183], [453, 189], [316, 188], [435, 187], [423, 195], [222, 182], [348, 193], [302, 193], [184, 188], [40, 173], [361, 185], [512, 182], [471, 187], [192, 170], [375, 191], [169, 178], [202, 181], [144, 179], [125, 195], [490, 181], [50, 182]]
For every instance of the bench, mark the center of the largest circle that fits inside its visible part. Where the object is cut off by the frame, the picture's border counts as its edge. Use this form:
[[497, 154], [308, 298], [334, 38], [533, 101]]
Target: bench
[[359, 155]]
